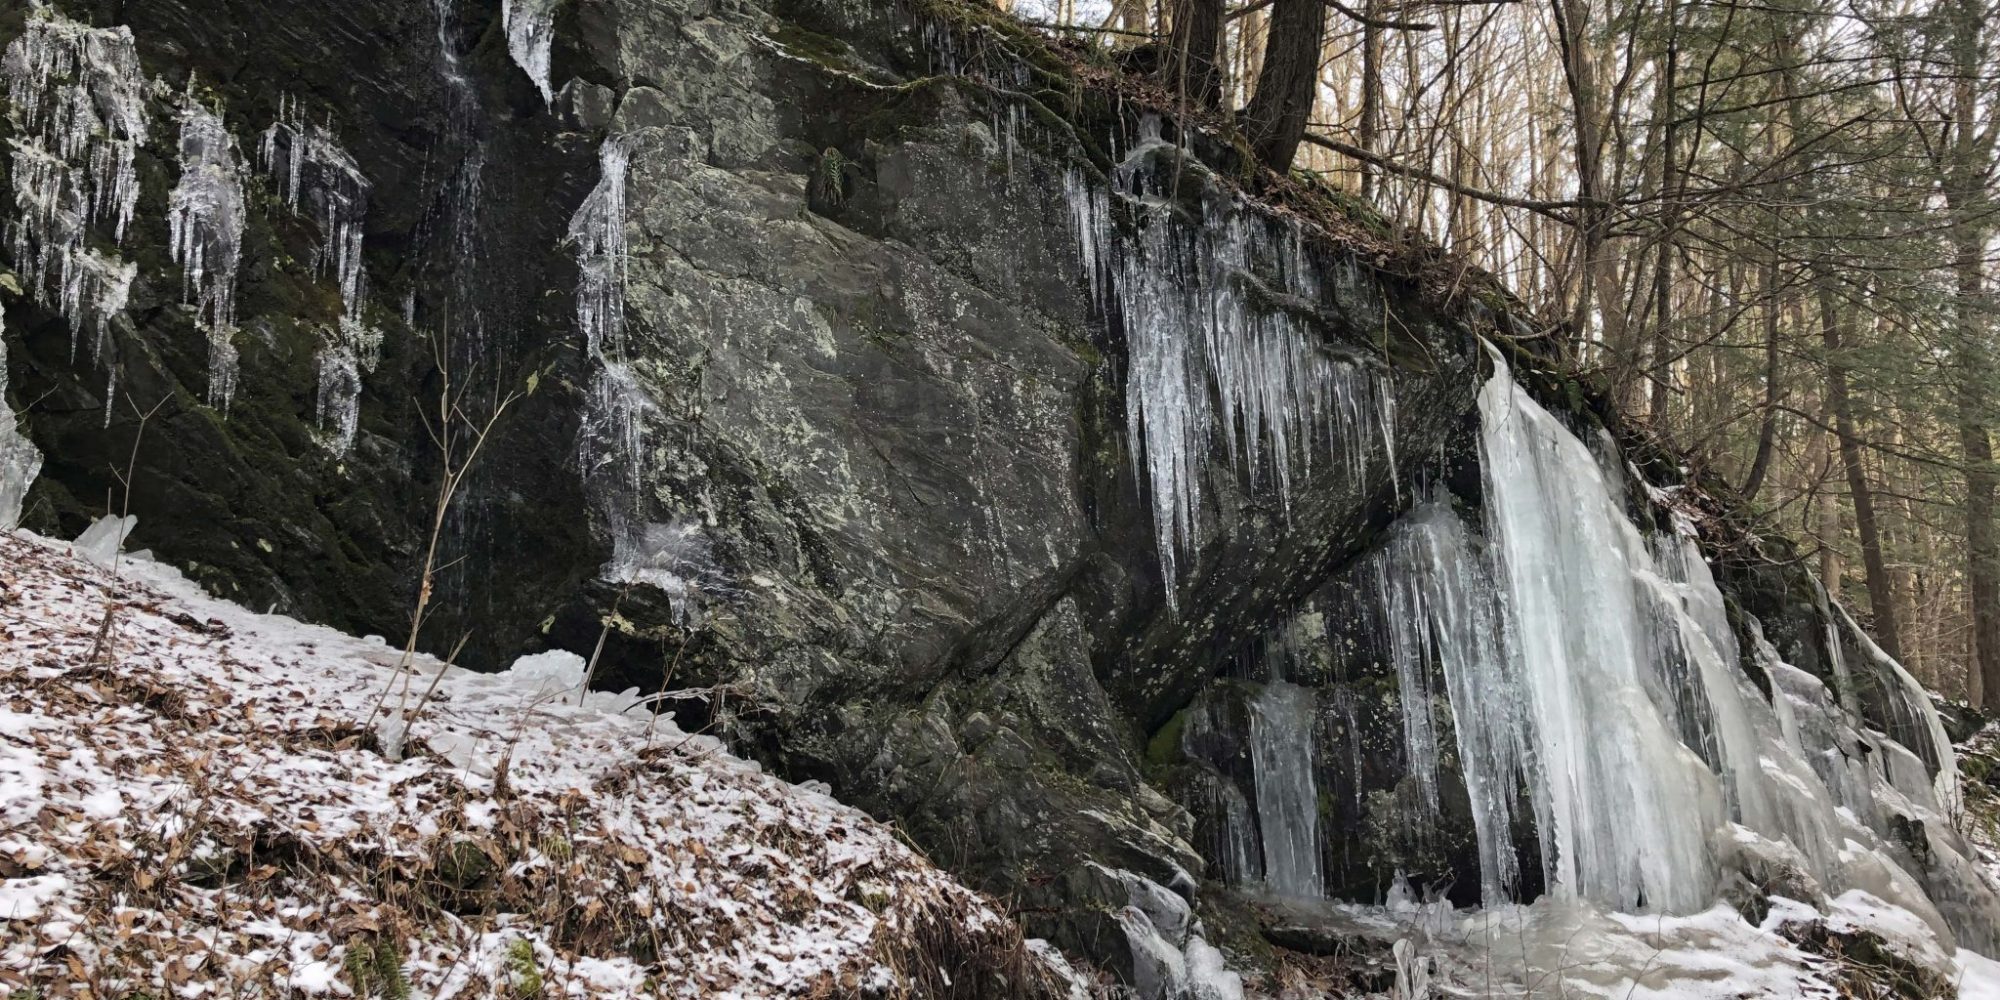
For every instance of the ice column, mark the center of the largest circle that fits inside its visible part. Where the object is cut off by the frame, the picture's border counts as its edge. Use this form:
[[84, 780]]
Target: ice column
[[1441, 610], [20, 461], [1281, 747]]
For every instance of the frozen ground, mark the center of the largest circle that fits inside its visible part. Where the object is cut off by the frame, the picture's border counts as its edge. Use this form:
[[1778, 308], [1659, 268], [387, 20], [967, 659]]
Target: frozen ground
[[192, 802]]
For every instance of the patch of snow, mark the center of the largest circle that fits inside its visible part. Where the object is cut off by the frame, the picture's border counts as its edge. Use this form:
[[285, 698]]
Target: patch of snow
[[1978, 976], [216, 729]]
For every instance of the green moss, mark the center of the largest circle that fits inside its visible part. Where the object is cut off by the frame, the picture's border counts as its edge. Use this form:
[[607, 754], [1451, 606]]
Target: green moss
[[827, 51], [522, 969], [1164, 749]]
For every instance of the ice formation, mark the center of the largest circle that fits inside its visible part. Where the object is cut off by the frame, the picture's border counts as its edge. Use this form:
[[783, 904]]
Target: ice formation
[[1170, 958], [530, 27], [20, 460], [205, 223], [612, 444], [77, 99], [1602, 707], [1282, 720], [103, 542], [1624, 809], [597, 231], [1207, 361], [314, 175], [1440, 613]]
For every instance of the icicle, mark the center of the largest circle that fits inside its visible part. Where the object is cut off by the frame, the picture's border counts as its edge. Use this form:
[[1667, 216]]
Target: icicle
[[1208, 361], [78, 99], [1281, 745], [1441, 607], [205, 219], [20, 461], [530, 27], [314, 175]]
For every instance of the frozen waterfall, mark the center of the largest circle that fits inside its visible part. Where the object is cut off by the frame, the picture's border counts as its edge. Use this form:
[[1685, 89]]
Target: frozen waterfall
[[1595, 675]]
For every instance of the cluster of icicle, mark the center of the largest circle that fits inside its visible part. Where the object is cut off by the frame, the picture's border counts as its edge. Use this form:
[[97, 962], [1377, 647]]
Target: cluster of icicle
[[205, 217], [313, 174], [611, 450], [1207, 363], [530, 27], [78, 100], [1596, 677]]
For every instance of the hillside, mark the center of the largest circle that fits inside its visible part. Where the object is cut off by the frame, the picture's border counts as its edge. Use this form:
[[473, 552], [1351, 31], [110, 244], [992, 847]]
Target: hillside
[[192, 800]]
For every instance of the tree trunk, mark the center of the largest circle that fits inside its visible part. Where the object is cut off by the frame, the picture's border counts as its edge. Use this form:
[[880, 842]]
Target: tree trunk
[[1767, 429], [1279, 110], [1982, 548], [1371, 99], [1881, 596], [1192, 69]]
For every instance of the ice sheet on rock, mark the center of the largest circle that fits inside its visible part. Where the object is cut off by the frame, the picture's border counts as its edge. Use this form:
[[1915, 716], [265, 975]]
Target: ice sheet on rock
[[77, 99], [20, 460], [347, 352], [530, 27], [205, 218], [1170, 959], [1209, 977], [1282, 721], [597, 231], [1912, 720], [613, 444]]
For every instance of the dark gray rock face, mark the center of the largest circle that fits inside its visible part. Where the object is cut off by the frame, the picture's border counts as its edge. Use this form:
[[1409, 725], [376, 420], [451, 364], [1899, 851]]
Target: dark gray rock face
[[867, 437]]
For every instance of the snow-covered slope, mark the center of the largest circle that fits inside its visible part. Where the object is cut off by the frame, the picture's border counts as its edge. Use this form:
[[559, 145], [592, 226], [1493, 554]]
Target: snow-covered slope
[[193, 802]]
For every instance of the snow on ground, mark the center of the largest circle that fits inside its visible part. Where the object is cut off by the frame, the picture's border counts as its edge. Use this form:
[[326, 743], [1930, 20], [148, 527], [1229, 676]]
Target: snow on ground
[[192, 803]]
